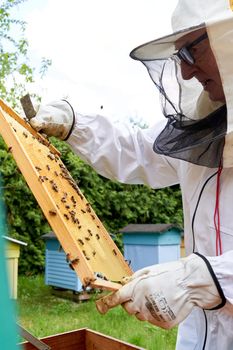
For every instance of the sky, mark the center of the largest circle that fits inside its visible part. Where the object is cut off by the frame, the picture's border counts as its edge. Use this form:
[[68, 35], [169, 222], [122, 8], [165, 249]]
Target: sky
[[89, 42]]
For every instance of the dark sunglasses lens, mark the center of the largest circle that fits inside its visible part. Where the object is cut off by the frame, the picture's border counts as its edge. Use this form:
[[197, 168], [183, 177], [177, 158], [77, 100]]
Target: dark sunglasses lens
[[185, 55]]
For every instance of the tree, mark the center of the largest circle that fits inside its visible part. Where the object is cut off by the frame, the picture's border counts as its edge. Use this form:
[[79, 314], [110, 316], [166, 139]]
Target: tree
[[15, 69], [25, 219]]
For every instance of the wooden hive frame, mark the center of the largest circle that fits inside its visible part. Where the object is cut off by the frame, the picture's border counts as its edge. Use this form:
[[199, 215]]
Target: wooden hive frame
[[89, 248]]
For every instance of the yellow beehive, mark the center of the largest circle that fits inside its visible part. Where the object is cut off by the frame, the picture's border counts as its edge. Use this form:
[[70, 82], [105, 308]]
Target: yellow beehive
[[12, 253]]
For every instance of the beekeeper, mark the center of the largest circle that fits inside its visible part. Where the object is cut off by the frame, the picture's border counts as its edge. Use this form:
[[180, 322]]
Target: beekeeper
[[193, 70]]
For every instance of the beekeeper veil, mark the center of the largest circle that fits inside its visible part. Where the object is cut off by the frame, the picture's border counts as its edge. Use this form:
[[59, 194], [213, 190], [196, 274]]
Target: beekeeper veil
[[197, 102]]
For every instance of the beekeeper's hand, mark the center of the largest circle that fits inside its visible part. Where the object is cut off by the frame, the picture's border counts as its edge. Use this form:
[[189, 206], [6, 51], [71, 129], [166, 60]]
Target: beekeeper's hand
[[55, 119], [165, 294]]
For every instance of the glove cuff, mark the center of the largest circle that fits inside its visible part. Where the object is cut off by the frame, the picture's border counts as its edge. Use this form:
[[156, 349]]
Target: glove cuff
[[73, 122], [216, 282]]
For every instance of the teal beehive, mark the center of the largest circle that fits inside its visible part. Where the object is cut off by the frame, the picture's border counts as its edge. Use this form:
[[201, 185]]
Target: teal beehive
[[57, 271], [149, 244]]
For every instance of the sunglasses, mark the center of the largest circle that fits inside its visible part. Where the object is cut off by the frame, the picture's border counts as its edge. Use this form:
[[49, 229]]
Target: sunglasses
[[184, 53]]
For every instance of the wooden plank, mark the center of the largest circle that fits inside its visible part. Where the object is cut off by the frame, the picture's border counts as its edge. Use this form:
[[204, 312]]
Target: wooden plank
[[88, 246]]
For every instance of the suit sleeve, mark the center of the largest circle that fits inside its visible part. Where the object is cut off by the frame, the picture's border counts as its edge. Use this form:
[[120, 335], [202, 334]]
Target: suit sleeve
[[122, 152], [223, 268]]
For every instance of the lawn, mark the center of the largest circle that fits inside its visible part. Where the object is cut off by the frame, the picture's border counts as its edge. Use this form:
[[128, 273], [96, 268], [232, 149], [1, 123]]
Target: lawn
[[43, 314]]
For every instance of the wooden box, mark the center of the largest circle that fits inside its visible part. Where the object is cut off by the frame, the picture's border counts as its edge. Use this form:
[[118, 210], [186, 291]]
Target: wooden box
[[83, 339]]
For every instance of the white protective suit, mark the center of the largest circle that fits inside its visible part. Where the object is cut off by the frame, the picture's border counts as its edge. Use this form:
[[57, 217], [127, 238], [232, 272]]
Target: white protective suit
[[121, 153], [126, 155]]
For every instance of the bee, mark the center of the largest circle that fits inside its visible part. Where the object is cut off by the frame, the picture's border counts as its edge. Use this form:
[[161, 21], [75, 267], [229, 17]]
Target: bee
[[114, 252], [48, 167], [66, 216], [51, 156], [87, 238], [80, 241], [52, 212], [94, 253], [9, 150], [73, 199], [90, 233], [97, 236], [40, 178], [71, 261], [56, 173], [54, 187], [83, 211], [38, 168], [67, 257]]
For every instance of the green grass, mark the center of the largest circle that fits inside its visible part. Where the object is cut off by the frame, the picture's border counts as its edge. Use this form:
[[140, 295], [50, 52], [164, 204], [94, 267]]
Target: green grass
[[43, 314]]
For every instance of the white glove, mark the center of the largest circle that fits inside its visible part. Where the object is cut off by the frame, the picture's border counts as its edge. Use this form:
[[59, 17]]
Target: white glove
[[165, 294], [55, 119]]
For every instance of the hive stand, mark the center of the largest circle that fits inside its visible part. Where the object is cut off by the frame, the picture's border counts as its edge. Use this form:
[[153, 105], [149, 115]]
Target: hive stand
[[89, 248]]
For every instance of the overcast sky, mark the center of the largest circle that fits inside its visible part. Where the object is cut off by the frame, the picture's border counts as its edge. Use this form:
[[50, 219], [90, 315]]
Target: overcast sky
[[89, 42]]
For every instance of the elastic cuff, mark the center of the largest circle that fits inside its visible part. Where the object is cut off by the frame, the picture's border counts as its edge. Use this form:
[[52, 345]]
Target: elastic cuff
[[217, 284], [73, 122]]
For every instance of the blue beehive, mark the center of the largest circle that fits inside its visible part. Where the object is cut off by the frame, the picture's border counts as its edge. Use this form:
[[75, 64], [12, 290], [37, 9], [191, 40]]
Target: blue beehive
[[57, 271], [149, 244]]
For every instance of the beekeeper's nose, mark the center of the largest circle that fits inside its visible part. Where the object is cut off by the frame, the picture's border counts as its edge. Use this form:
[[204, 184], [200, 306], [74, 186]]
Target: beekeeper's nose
[[188, 71]]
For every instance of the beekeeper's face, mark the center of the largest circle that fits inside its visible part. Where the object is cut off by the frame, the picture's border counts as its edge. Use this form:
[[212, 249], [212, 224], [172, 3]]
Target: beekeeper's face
[[197, 60]]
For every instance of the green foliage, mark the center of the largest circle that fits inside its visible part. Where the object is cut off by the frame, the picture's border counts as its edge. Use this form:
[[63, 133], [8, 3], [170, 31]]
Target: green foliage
[[25, 219], [15, 69]]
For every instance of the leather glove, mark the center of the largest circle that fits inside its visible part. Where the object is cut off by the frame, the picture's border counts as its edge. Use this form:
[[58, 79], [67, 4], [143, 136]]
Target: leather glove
[[165, 294], [55, 119]]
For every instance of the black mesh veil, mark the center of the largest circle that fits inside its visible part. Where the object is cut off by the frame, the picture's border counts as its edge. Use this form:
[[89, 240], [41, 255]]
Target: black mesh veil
[[196, 126]]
